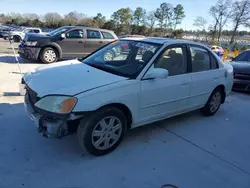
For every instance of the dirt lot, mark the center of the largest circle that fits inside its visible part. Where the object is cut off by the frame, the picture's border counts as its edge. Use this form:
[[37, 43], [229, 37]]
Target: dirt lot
[[188, 151]]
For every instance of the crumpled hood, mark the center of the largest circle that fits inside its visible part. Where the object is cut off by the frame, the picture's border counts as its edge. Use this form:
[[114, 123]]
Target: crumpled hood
[[68, 78]]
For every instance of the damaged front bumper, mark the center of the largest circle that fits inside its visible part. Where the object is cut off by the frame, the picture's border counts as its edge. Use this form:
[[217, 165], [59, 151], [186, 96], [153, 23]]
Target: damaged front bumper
[[47, 126]]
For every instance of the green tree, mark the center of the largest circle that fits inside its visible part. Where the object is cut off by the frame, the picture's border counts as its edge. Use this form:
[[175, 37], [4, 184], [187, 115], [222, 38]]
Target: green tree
[[99, 20], [163, 15], [178, 15], [244, 48], [150, 22], [122, 18], [235, 46], [139, 16], [110, 25]]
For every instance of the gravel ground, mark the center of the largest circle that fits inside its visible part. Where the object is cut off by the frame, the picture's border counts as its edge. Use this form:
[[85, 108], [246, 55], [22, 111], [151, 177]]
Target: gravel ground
[[188, 151]]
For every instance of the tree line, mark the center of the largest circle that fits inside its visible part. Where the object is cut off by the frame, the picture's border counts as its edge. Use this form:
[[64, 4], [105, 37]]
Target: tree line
[[163, 21]]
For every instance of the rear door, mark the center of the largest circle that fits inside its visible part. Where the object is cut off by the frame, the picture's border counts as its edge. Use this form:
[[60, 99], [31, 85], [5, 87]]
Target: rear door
[[93, 41], [205, 76], [73, 44]]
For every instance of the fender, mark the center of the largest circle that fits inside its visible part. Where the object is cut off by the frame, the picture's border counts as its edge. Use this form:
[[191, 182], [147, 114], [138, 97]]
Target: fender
[[55, 45]]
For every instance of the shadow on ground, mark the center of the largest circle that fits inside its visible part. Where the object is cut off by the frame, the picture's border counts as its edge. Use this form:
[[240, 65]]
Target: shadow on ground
[[16, 122], [12, 59]]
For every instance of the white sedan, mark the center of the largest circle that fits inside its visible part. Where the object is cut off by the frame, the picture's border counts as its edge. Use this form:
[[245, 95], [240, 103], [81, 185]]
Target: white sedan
[[101, 99]]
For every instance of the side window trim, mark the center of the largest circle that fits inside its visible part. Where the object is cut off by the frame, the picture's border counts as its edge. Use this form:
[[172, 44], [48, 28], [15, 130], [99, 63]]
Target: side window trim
[[94, 31], [74, 30], [215, 60], [103, 32], [180, 45], [209, 53]]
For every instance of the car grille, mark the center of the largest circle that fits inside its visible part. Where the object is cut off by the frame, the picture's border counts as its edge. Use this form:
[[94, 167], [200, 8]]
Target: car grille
[[242, 76]]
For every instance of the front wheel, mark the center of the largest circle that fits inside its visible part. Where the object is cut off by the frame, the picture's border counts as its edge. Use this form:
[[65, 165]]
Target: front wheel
[[213, 103], [109, 56], [102, 132], [49, 55]]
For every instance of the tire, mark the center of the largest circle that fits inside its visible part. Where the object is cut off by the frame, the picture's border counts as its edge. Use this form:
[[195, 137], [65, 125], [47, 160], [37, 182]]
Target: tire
[[49, 55], [213, 103], [17, 38], [102, 143], [109, 56]]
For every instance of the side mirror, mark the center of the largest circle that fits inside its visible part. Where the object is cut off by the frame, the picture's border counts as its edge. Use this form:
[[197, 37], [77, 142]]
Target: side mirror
[[156, 73], [63, 35]]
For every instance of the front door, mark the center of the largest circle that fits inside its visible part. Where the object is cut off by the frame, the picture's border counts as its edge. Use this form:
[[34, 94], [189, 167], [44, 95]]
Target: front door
[[161, 98], [93, 41], [205, 76], [73, 45]]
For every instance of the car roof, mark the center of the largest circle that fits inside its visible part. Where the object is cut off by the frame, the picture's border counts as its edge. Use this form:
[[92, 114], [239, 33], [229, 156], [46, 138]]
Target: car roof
[[161, 40], [31, 28], [86, 27]]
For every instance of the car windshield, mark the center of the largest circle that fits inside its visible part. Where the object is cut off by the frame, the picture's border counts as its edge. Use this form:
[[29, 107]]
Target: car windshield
[[245, 56], [58, 31], [124, 58]]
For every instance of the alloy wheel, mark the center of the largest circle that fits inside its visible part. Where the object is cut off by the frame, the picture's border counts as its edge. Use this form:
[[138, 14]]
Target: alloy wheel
[[106, 133]]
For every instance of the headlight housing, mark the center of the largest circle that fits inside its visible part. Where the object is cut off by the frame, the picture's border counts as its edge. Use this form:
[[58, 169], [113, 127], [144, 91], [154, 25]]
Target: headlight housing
[[57, 104], [31, 43]]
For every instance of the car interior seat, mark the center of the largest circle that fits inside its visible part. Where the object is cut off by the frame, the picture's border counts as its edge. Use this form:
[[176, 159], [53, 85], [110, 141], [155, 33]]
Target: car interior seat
[[198, 62], [147, 56]]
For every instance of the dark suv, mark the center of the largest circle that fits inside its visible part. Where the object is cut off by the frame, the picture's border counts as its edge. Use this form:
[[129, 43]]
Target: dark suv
[[65, 42]]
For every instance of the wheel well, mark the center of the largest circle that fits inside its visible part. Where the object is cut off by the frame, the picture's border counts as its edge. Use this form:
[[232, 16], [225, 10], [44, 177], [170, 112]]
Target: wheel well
[[17, 36], [124, 109], [50, 46], [222, 87]]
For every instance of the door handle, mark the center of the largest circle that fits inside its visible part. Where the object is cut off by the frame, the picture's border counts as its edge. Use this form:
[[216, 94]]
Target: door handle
[[184, 83], [81, 42], [100, 42]]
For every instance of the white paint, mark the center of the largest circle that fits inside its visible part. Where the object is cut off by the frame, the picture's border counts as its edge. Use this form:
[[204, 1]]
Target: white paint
[[148, 100]]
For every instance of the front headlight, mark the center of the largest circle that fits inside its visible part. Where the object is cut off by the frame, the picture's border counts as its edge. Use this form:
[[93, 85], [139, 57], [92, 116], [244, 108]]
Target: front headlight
[[31, 43], [57, 104]]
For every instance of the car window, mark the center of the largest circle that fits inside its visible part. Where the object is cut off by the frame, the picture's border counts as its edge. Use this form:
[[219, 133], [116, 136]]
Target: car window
[[36, 31], [27, 31], [174, 60], [200, 59], [124, 58], [92, 34], [244, 56], [75, 34], [214, 63], [107, 35]]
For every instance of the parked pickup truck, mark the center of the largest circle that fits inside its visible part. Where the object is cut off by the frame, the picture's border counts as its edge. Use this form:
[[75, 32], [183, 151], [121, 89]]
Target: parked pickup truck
[[18, 36]]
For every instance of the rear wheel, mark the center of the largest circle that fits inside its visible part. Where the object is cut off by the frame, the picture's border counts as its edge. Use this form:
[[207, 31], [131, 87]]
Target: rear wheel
[[102, 132], [49, 55], [17, 39], [213, 103]]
